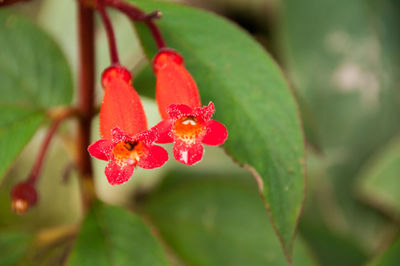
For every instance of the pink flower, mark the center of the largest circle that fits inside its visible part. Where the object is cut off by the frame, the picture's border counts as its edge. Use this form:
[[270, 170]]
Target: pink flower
[[190, 128], [124, 152]]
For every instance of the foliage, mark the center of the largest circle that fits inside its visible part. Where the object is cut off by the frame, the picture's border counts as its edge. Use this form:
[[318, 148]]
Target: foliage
[[242, 204]]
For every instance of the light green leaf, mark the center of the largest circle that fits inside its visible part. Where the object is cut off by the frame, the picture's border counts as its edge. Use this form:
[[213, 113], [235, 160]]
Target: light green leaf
[[34, 77], [252, 99], [13, 246], [210, 219], [380, 184], [391, 257], [113, 236], [343, 59]]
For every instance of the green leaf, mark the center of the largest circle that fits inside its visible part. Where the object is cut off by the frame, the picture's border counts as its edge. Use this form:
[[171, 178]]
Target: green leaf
[[380, 184], [13, 246], [113, 236], [34, 77], [252, 99], [144, 81], [343, 59], [391, 257], [330, 247], [209, 219]]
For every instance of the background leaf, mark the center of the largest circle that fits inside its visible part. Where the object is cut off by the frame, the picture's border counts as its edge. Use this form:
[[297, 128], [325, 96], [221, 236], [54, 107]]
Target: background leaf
[[34, 77], [113, 236], [13, 246], [252, 99], [211, 219], [380, 184], [391, 257], [343, 61]]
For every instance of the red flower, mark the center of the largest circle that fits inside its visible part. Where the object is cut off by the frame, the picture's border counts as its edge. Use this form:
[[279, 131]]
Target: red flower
[[125, 141], [124, 152], [174, 83], [186, 123], [190, 128]]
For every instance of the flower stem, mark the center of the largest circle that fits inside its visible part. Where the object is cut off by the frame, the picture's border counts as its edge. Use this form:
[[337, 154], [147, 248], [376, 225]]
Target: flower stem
[[34, 175], [136, 14], [110, 32], [10, 2]]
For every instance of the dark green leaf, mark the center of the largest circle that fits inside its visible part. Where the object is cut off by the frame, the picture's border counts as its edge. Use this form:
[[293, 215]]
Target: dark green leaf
[[332, 248], [144, 81], [113, 236], [252, 99], [217, 220], [13, 247], [34, 77]]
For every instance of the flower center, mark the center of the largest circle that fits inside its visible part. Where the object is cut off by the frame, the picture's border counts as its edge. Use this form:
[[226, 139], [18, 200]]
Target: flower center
[[128, 152], [189, 128]]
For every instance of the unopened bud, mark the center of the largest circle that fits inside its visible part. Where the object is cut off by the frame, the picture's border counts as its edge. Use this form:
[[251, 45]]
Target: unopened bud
[[118, 72], [23, 197]]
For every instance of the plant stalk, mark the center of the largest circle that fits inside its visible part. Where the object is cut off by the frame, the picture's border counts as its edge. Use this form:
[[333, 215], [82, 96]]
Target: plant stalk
[[110, 32], [86, 85], [136, 14]]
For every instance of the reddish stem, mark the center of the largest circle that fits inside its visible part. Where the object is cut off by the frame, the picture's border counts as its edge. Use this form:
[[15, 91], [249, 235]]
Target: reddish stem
[[110, 32], [137, 14], [157, 36], [10, 2], [86, 86], [33, 177]]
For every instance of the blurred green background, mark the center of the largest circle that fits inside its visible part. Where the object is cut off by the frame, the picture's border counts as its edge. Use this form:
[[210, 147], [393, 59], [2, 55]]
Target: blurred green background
[[342, 59]]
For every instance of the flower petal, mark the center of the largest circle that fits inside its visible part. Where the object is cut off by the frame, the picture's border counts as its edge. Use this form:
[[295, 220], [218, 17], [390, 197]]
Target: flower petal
[[188, 154], [177, 111], [101, 149], [147, 137], [119, 135], [163, 130], [205, 112], [156, 157], [216, 133], [117, 174]]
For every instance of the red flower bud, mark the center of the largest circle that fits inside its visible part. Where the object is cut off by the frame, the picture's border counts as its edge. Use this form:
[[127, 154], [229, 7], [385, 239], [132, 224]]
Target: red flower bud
[[121, 105], [174, 83], [23, 197]]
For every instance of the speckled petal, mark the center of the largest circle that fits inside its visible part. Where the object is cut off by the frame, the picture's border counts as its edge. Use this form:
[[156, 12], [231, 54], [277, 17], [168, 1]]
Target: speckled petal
[[155, 157], [163, 131], [101, 149], [118, 174], [177, 111], [188, 154], [216, 133]]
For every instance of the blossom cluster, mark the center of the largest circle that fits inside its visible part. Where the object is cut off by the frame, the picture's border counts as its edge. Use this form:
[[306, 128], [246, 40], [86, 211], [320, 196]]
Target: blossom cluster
[[126, 142]]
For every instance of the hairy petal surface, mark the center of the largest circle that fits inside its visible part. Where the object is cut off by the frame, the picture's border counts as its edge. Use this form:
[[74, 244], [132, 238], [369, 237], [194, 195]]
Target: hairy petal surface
[[187, 154], [101, 149], [118, 174], [155, 157]]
